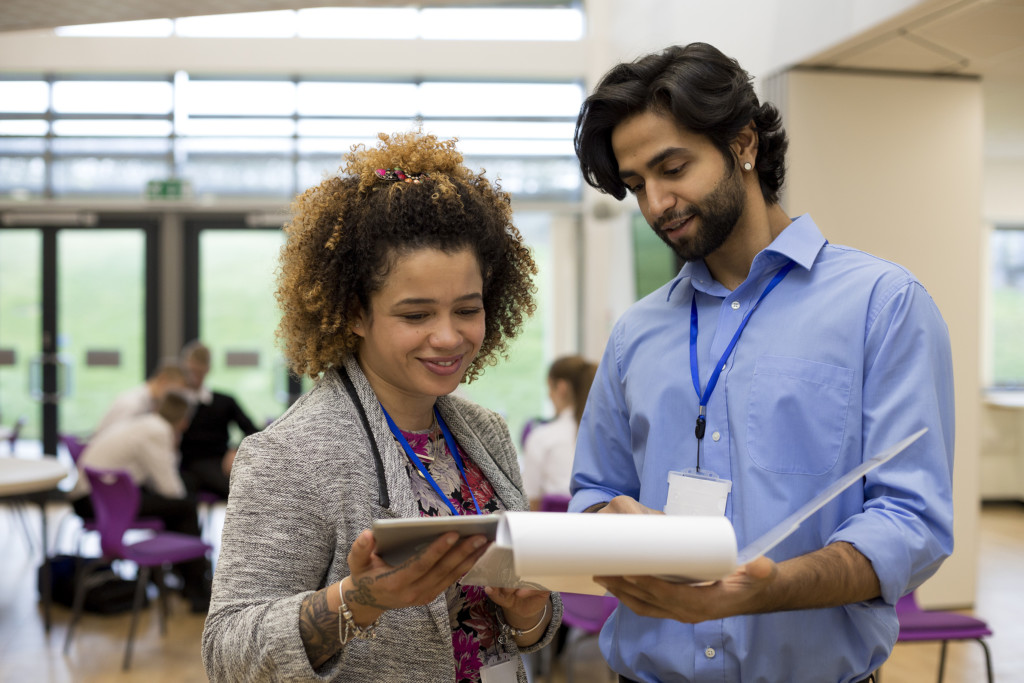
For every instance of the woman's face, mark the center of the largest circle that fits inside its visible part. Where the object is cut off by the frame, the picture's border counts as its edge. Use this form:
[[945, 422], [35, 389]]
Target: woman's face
[[423, 330]]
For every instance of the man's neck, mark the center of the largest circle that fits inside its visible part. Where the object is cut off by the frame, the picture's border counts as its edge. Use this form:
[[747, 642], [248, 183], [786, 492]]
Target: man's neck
[[730, 263]]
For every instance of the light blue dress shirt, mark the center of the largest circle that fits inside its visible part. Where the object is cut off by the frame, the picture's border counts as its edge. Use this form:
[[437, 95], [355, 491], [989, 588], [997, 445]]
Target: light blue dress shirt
[[845, 357]]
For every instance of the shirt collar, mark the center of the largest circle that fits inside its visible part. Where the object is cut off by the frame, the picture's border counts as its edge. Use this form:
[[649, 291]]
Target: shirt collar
[[800, 241]]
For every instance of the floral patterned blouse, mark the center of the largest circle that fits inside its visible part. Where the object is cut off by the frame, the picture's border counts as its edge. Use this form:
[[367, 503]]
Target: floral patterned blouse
[[474, 628]]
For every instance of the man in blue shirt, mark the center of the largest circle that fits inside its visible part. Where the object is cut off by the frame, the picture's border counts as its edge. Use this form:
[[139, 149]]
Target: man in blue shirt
[[775, 360]]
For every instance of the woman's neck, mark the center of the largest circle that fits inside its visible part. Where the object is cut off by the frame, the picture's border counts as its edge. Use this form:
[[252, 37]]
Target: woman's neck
[[410, 416]]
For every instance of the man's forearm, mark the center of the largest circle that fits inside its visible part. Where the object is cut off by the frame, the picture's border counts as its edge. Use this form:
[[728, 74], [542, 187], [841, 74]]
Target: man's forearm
[[838, 574]]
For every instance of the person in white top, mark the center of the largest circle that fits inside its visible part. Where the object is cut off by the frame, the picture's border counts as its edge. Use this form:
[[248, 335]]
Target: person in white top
[[146, 446], [144, 398], [548, 448]]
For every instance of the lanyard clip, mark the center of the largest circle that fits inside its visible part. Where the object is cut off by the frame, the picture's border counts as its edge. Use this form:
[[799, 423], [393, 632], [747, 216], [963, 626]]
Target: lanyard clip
[[701, 425]]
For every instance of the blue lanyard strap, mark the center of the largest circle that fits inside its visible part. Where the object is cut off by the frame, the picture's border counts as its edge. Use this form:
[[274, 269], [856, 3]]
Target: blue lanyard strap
[[415, 460], [704, 396]]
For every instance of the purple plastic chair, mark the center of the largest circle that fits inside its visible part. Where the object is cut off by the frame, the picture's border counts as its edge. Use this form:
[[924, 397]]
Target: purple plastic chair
[[12, 435], [917, 625], [74, 445], [585, 613], [115, 497], [75, 448]]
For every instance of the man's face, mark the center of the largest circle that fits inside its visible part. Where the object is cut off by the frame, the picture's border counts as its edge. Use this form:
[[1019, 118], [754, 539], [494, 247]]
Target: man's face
[[681, 181], [195, 372]]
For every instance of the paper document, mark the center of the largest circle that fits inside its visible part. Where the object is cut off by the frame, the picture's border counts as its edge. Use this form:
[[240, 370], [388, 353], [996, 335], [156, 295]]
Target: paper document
[[563, 552], [780, 531]]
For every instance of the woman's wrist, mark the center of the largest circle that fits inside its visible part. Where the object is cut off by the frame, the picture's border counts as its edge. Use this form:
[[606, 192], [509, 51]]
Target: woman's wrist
[[362, 614], [514, 627], [529, 622]]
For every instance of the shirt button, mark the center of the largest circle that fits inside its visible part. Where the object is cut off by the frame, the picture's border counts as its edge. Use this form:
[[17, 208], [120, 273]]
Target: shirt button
[[709, 653], [735, 305], [716, 436]]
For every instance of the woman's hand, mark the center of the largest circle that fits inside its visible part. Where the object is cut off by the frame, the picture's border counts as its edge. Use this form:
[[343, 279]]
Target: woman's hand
[[377, 586], [524, 609], [374, 586]]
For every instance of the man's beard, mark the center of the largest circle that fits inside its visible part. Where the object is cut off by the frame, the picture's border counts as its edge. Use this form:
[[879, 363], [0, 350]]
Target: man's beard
[[717, 214]]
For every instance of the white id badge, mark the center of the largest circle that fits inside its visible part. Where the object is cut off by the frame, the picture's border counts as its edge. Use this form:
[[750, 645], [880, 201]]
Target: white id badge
[[690, 493], [503, 672]]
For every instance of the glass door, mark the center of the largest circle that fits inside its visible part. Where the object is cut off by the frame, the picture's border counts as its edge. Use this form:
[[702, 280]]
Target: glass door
[[231, 308], [76, 324], [21, 306], [101, 321]]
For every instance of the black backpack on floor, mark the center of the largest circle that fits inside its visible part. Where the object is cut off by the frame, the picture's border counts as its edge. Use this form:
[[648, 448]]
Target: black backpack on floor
[[108, 593]]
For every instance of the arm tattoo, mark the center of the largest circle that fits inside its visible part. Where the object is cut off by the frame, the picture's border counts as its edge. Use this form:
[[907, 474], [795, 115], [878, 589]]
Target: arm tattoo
[[318, 627], [361, 594]]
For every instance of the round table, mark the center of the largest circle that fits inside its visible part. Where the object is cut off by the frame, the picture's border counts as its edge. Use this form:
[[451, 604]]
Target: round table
[[32, 480], [24, 475]]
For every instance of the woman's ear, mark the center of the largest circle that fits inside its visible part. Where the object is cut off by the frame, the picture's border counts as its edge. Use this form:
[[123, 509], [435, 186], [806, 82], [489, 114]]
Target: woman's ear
[[358, 324]]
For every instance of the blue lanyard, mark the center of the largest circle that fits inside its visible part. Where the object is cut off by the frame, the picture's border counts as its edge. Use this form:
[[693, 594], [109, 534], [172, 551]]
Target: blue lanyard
[[704, 396], [415, 460]]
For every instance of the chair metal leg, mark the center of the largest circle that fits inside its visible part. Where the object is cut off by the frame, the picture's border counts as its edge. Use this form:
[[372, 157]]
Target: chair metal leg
[[161, 584], [82, 575], [140, 590], [988, 660], [942, 661], [567, 656]]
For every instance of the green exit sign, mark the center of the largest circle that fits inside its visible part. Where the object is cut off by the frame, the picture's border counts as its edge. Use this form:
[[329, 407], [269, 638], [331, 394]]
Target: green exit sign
[[172, 188]]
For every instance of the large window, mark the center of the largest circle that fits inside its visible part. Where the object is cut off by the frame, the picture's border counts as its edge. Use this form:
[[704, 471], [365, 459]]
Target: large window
[[268, 138], [1007, 269]]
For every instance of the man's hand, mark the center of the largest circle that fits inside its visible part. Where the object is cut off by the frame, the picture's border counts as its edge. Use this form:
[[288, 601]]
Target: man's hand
[[737, 593], [837, 574], [624, 505]]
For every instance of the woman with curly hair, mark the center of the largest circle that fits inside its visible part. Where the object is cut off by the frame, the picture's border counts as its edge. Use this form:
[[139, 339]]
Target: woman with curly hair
[[400, 279]]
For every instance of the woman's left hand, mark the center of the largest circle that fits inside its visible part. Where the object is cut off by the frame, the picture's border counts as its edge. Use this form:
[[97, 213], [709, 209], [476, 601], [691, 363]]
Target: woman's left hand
[[522, 607]]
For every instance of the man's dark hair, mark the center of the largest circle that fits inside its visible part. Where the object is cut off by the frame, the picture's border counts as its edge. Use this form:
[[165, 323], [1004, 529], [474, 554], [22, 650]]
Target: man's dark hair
[[698, 86]]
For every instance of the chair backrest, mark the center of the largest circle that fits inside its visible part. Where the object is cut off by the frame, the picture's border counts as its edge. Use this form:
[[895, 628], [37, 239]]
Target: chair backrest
[[555, 502], [12, 436], [907, 604], [587, 612], [74, 445], [527, 428], [115, 501]]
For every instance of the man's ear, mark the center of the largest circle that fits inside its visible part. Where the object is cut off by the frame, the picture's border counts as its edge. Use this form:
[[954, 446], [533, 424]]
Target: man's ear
[[744, 145]]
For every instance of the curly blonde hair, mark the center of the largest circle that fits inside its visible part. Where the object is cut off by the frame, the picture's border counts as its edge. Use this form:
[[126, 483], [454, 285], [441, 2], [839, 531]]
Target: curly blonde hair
[[347, 233]]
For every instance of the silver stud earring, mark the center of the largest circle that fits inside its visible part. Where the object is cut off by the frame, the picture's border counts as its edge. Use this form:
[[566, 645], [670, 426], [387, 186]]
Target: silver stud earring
[[747, 166]]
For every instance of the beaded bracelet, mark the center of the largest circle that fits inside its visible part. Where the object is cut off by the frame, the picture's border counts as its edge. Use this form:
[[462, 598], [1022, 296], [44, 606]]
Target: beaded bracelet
[[347, 626], [513, 632]]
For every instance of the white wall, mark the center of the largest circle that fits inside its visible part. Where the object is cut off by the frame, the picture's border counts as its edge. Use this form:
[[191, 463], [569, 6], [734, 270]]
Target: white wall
[[1002, 427], [893, 165]]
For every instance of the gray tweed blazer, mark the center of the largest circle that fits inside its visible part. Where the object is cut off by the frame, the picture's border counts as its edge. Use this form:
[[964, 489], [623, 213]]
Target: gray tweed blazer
[[301, 491]]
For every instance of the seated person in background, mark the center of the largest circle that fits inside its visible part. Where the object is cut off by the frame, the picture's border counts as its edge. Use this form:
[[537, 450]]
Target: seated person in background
[[548, 449], [146, 397], [205, 454], [146, 446]]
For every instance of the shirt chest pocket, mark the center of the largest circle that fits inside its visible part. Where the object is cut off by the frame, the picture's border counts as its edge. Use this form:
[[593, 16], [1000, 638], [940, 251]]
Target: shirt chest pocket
[[796, 414]]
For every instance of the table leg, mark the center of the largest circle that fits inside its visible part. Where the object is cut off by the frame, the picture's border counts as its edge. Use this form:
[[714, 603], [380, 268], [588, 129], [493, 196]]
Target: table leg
[[47, 587]]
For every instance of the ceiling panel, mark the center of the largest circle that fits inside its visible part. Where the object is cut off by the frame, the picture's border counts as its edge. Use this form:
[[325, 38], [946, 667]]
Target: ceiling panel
[[17, 15], [984, 30], [976, 37]]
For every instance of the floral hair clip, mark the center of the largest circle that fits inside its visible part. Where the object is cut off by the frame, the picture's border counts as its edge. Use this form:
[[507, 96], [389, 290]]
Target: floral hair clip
[[398, 174]]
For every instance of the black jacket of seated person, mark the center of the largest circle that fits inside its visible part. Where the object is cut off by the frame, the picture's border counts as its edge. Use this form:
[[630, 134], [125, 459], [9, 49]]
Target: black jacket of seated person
[[205, 442]]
